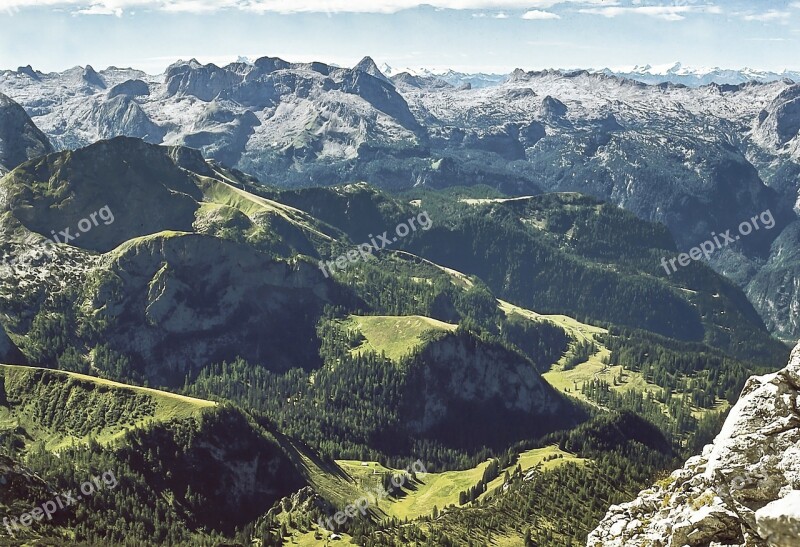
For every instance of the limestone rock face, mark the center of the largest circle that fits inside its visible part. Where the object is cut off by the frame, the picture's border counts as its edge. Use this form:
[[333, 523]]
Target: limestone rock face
[[779, 521], [775, 288], [779, 123], [197, 299], [462, 389], [743, 490], [20, 139]]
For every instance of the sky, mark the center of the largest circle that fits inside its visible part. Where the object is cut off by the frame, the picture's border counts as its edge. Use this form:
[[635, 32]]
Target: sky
[[465, 35]]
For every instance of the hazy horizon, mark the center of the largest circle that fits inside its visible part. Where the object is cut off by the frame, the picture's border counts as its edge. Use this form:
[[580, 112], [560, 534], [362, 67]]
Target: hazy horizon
[[463, 35], [222, 61]]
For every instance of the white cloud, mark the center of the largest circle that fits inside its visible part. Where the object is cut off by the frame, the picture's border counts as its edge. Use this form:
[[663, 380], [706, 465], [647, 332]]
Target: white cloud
[[97, 9], [294, 6], [536, 9], [276, 6], [667, 13], [771, 15], [196, 6], [101, 8], [539, 15], [545, 4], [483, 15]]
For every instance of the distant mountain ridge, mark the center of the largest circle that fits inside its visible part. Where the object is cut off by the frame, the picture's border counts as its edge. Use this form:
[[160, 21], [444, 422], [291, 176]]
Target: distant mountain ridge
[[452, 77], [678, 73], [675, 73]]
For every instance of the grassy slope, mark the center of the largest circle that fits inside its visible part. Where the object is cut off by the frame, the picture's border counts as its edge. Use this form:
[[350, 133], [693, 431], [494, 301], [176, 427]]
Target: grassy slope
[[345, 481], [167, 406], [433, 489], [570, 381], [530, 459], [251, 205], [330, 480], [394, 335], [442, 489], [137, 242]]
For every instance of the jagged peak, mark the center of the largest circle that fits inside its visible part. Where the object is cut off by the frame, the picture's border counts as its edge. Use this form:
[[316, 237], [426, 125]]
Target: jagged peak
[[518, 75], [191, 64], [91, 77], [270, 64], [28, 71], [368, 65], [553, 106]]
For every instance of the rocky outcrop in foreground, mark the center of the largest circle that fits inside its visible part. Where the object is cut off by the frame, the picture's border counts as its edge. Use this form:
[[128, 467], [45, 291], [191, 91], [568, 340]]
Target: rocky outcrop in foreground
[[743, 490]]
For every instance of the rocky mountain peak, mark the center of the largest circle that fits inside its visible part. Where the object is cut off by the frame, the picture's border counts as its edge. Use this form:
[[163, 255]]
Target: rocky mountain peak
[[268, 64], [553, 108], [91, 77], [20, 139], [518, 75], [124, 174], [202, 81], [28, 71], [367, 64], [744, 489], [130, 88], [779, 123]]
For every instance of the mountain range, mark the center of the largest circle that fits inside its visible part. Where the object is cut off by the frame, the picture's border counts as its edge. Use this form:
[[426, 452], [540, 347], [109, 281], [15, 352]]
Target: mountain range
[[206, 282], [673, 73], [677, 73], [221, 341]]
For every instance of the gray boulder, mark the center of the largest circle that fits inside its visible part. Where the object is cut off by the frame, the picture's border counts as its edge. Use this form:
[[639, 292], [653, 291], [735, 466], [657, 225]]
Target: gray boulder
[[130, 88]]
